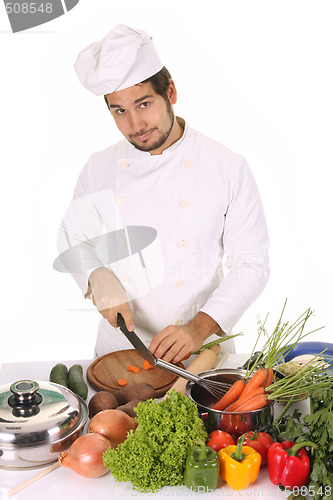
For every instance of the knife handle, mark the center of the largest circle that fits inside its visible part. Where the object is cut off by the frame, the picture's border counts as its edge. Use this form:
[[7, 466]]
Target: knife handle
[[120, 320]]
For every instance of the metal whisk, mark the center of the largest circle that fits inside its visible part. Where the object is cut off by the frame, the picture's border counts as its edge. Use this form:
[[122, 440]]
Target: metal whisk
[[217, 389]]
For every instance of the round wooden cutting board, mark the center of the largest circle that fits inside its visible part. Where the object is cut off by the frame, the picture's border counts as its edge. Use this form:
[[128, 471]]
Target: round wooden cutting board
[[104, 372]]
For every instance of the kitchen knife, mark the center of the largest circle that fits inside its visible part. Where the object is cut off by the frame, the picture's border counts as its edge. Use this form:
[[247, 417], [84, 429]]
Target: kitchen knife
[[136, 341]]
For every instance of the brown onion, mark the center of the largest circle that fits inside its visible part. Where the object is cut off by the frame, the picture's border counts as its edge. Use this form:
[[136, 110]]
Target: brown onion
[[85, 456], [113, 425]]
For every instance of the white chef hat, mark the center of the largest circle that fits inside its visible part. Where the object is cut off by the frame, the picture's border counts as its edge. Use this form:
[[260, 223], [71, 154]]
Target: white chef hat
[[124, 57]]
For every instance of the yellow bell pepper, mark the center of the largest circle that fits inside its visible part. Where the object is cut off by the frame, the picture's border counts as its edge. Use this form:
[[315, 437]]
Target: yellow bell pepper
[[239, 465]]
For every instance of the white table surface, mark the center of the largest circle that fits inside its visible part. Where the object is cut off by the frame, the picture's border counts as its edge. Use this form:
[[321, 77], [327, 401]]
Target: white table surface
[[65, 484]]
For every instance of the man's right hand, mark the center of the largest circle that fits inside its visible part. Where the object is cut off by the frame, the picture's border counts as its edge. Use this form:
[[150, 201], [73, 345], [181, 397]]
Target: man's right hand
[[110, 297]]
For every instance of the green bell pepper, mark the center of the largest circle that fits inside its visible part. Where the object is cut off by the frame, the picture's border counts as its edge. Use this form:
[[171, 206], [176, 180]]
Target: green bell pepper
[[201, 468]]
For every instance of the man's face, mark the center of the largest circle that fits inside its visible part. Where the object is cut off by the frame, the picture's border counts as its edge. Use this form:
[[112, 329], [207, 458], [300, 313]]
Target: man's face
[[145, 118]]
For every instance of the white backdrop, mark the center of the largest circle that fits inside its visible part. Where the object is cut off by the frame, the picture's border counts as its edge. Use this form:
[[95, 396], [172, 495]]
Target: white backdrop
[[254, 74]]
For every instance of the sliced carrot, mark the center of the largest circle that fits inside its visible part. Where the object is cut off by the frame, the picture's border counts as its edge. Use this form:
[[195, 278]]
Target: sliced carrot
[[122, 381], [258, 379], [254, 403], [231, 395], [270, 376], [259, 391], [147, 365], [133, 368]]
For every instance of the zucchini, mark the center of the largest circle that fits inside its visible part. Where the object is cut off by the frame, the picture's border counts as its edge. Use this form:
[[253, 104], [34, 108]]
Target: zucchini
[[59, 374], [76, 382]]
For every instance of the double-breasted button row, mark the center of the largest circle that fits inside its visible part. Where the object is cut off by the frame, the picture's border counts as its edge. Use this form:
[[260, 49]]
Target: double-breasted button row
[[185, 204]]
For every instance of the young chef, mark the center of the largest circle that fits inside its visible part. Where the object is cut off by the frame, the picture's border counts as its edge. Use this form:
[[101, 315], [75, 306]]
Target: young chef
[[153, 215]]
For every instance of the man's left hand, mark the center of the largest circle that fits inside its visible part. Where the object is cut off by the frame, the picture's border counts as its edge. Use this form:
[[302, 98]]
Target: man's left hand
[[175, 343]]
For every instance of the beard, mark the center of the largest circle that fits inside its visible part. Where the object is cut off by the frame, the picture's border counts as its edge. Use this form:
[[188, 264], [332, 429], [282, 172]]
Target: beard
[[163, 135]]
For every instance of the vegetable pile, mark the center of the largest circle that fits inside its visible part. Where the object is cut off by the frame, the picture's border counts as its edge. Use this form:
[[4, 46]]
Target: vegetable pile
[[155, 443], [155, 454]]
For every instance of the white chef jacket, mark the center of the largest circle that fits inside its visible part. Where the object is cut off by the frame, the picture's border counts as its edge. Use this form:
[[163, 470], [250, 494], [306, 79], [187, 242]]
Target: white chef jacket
[[201, 202]]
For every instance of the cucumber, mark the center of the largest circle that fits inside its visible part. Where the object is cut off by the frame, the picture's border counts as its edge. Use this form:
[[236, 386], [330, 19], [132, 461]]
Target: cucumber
[[59, 374], [76, 382]]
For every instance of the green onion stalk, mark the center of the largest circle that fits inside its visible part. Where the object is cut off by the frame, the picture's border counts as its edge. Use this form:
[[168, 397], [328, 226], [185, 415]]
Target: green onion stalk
[[216, 342], [283, 339]]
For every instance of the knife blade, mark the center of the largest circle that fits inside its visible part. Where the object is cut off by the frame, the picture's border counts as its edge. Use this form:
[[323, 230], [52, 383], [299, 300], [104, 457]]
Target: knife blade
[[136, 341]]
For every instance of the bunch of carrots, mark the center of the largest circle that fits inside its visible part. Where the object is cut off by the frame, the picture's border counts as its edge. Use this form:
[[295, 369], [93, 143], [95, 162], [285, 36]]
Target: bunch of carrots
[[247, 395], [261, 389], [256, 391]]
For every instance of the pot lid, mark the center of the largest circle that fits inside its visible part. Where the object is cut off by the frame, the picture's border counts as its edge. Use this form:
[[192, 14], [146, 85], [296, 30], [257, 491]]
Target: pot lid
[[34, 413]]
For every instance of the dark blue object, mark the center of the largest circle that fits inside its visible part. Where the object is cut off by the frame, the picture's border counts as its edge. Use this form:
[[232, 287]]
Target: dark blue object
[[312, 348]]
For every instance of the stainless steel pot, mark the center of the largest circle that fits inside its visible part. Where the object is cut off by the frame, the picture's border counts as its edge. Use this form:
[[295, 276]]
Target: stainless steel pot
[[38, 420], [235, 423]]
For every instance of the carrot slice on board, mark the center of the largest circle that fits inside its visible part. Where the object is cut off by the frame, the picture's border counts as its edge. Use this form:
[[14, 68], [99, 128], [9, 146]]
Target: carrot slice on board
[[133, 368], [231, 395], [122, 381], [147, 365]]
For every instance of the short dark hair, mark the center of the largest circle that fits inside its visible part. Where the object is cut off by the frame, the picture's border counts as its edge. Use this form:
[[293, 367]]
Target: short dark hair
[[160, 83]]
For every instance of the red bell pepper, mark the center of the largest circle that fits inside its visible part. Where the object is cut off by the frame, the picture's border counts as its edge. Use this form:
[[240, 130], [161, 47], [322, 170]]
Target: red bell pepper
[[259, 441], [288, 463]]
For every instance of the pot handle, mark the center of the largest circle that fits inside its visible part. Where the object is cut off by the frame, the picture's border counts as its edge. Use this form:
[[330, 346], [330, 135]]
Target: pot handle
[[25, 398]]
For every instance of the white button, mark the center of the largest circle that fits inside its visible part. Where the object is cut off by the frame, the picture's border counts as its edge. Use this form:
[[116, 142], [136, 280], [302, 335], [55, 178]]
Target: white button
[[179, 322], [121, 201], [188, 164], [180, 284], [124, 163], [182, 244], [127, 279], [185, 203]]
